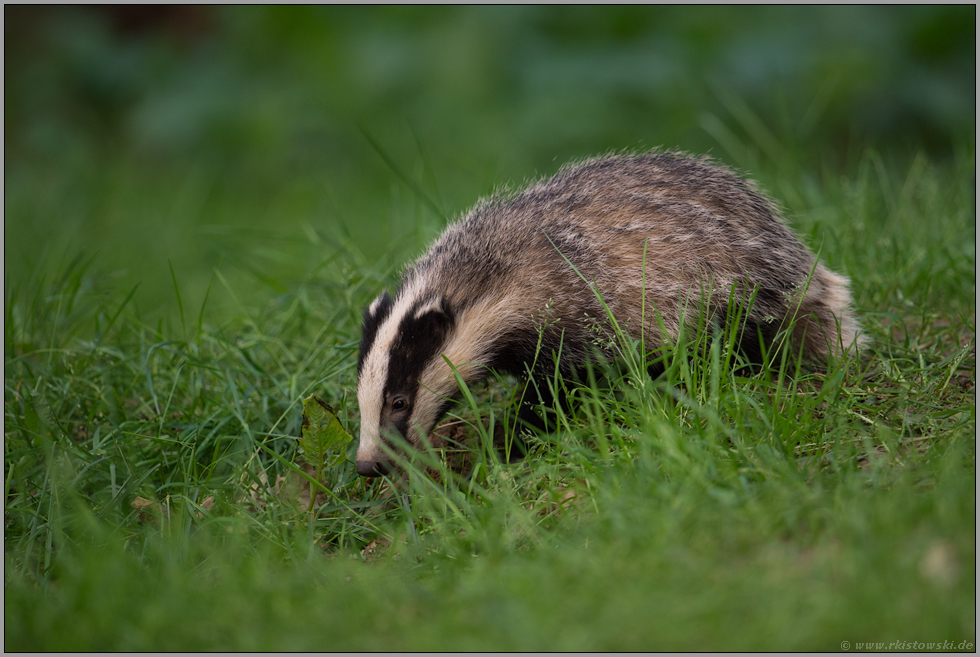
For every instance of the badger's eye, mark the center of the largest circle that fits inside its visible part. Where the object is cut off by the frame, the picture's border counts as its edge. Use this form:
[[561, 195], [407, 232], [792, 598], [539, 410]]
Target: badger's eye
[[399, 404]]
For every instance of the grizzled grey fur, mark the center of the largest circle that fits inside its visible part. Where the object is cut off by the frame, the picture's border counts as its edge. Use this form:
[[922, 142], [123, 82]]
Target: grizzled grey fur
[[501, 275]]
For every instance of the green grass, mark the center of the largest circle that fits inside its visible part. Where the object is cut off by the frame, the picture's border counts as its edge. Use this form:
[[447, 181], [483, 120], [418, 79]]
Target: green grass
[[700, 511], [198, 208]]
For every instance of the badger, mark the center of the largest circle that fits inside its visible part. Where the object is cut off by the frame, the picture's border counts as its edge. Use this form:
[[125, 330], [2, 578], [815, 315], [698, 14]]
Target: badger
[[517, 285]]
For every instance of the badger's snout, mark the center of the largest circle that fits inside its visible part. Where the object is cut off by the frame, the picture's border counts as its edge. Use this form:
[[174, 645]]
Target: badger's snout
[[372, 468], [372, 459]]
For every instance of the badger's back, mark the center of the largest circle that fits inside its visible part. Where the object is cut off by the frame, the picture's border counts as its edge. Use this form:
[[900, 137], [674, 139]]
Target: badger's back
[[673, 226], [506, 281]]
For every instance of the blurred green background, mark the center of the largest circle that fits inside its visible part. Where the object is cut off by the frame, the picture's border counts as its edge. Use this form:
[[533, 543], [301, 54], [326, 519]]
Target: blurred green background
[[260, 141]]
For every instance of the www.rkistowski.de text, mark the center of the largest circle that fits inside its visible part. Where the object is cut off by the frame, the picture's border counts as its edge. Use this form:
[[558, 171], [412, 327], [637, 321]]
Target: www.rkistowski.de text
[[908, 645]]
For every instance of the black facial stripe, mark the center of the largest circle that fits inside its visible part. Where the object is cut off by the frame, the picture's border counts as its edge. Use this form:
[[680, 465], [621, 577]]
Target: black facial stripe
[[419, 340], [402, 425], [372, 322]]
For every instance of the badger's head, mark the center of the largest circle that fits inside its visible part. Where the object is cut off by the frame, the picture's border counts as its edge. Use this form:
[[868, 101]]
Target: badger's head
[[404, 385]]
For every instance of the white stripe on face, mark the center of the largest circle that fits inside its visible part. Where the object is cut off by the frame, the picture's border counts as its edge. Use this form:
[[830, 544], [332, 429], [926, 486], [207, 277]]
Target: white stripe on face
[[374, 375]]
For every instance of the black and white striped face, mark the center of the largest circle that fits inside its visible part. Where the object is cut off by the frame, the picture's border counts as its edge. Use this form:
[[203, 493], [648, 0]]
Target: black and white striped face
[[404, 384]]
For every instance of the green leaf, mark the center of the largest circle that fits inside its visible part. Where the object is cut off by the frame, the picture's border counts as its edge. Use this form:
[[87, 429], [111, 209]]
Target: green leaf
[[322, 432]]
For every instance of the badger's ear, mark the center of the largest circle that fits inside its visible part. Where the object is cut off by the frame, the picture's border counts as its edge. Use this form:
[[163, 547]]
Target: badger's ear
[[436, 305], [434, 316], [379, 307]]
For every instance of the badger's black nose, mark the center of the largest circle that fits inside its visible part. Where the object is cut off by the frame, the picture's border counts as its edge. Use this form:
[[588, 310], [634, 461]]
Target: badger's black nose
[[372, 468]]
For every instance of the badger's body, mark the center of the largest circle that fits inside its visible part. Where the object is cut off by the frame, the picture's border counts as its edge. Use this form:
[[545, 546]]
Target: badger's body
[[499, 282]]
